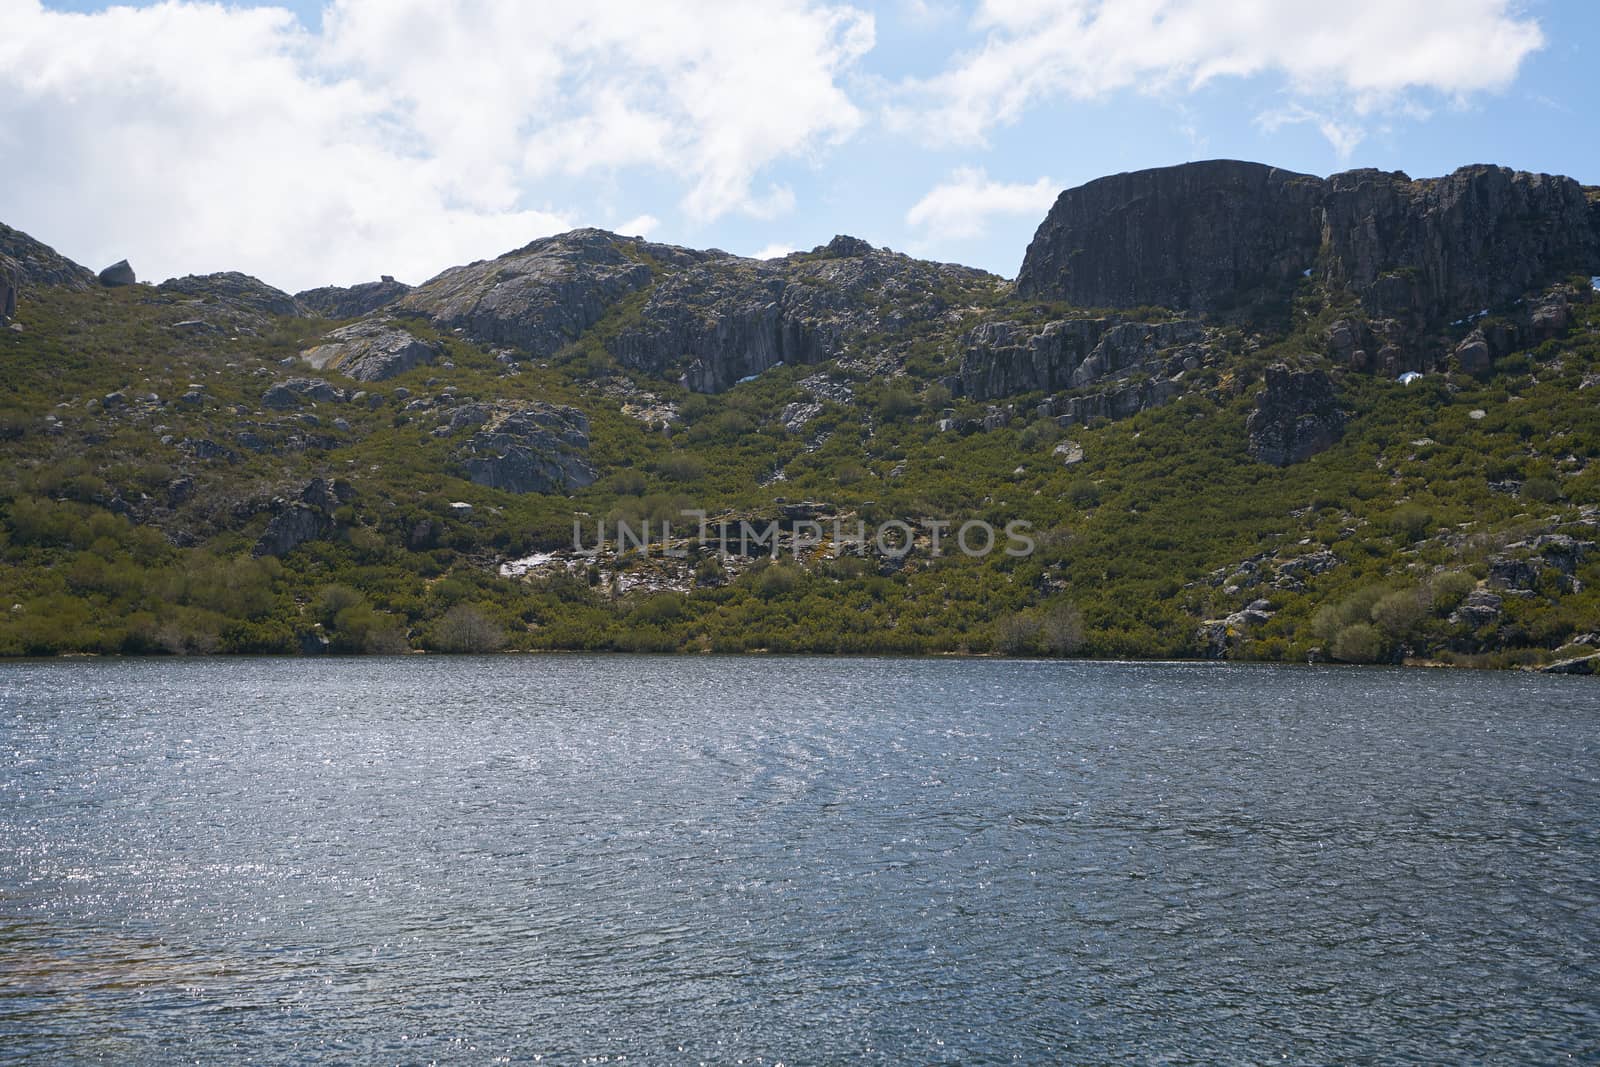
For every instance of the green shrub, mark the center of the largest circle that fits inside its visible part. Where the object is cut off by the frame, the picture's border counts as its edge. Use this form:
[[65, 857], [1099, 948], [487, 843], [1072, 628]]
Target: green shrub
[[1083, 494], [1449, 589], [1398, 614], [1016, 634], [467, 628], [1357, 643], [1541, 489], [1410, 521], [1061, 631], [681, 467]]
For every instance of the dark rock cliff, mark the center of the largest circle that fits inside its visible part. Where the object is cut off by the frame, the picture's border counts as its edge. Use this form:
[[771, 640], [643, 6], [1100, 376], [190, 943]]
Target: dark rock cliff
[[1211, 236], [1200, 237], [1432, 250]]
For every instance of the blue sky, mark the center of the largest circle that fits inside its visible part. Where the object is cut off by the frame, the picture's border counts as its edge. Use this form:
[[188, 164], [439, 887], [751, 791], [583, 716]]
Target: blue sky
[[311, 143]]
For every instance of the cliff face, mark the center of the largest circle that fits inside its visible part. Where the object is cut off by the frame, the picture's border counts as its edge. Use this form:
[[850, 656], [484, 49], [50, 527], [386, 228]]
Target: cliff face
[[1196, 237], [1209, 236], [1434, 250], [1004, 359]]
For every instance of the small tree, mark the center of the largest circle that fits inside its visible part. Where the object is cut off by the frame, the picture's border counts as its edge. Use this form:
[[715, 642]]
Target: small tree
[[1359, 643], [1062, 630], [1015, 634], [465, 628]]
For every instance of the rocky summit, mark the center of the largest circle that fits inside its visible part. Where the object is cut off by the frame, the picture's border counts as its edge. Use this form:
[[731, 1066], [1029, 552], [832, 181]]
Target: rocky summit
[[1237, 411], [1208, 237]]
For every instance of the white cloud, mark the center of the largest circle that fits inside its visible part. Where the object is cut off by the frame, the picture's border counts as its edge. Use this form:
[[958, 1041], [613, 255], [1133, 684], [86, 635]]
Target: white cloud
[[639, 226], [774, 251], [1343, 136], [1365, 55], [405, 135], [961, 206]]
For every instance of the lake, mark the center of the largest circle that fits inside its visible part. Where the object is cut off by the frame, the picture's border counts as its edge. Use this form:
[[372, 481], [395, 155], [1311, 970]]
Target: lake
[[764, 860]]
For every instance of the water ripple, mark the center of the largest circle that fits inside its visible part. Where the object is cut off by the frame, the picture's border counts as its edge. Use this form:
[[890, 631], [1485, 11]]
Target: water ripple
[[797, 860]]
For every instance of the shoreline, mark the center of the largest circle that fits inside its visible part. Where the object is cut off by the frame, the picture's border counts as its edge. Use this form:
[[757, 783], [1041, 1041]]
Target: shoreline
[[1578, 666]]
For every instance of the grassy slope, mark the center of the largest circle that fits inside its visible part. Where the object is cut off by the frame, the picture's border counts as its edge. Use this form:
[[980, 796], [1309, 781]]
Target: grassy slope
[[1144, 538]]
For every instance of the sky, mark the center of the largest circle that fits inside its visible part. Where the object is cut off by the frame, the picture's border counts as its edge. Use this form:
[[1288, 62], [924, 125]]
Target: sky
[[313, 143]]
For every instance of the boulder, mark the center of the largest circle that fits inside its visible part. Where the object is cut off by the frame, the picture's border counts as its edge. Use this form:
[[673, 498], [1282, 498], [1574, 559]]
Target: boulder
[[1006, 358], [1070, 452], [202, 448], [1480, 608], [308, 517], [1295, 416], [1525, 561], [1506, 572], [1472, 354], [118, 274], [1550, 318], [295, 391], [371, 351], [797, 414], [525, 448], [1217, 637], [1562, 551], [843, 246], [337, 302], [1589, 664]]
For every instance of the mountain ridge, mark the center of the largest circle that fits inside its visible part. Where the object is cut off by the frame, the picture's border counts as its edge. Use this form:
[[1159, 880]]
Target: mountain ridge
[[1235, 469]]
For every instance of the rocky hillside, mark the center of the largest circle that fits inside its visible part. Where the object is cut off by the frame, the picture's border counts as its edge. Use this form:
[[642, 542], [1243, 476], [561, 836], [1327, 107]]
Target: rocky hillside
[[1242, 412]]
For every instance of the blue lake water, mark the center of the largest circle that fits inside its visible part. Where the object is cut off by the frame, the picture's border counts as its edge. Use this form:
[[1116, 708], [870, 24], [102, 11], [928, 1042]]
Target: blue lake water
[[794, 860]]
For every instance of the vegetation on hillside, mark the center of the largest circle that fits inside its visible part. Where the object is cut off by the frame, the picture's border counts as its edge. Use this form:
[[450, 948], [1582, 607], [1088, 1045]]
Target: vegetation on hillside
[[129, 522]]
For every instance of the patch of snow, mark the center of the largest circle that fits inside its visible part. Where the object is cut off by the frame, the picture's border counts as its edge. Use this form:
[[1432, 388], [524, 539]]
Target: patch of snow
[[1306, 273], [1594, 282], [1408, 377]]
